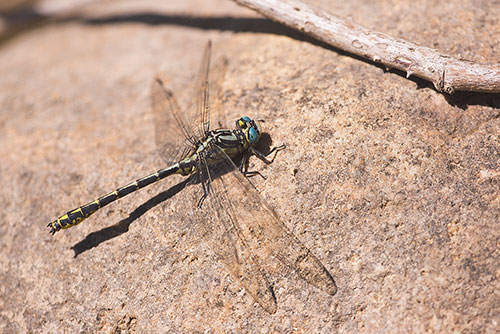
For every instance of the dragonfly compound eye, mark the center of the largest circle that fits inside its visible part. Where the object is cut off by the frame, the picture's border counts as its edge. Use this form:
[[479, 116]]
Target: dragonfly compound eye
[[253, 136]]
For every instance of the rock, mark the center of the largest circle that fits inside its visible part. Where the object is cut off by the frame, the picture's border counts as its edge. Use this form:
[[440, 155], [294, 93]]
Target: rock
[[393, 186]]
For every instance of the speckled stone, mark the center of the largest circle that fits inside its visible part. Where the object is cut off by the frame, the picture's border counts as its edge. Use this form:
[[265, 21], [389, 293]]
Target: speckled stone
[[394, 187]]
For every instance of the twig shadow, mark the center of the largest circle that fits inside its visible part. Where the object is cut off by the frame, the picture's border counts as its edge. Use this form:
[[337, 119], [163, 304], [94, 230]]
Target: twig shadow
[[221, 23], [94, 239], [463, 99], [256, 25], [263, 25]]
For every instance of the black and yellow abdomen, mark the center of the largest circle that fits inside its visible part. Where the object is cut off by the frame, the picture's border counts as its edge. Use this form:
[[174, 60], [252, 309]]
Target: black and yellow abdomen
[[76, 216], [231, 142]]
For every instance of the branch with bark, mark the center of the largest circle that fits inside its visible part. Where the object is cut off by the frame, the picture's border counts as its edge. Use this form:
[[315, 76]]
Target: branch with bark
[[448, 74]]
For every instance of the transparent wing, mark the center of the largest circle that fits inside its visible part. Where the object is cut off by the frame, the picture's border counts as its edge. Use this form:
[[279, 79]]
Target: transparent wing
[[207, 92], [217, 74], [176, 132], [202, 104], [174, 137], [228, 245], [260, 230]]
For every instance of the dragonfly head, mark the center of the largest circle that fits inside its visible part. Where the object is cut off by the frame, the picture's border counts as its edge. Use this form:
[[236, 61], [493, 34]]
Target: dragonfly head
[[250, 128]]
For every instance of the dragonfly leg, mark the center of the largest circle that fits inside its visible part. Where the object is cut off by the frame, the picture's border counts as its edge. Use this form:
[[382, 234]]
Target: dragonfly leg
[[206, 188], [261, 156], [244, 168]]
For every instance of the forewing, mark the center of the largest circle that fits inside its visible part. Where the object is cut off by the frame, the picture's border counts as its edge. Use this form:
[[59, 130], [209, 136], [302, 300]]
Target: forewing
[[206, 102], [174, 138], [202, 98], [176, 129]]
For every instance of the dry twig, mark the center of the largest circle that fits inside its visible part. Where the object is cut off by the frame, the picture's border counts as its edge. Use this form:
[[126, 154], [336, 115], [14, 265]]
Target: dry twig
[[448, 74]]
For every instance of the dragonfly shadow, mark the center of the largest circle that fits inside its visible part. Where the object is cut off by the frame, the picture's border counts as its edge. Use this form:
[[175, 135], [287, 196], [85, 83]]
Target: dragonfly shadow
[[94, 239], [265, 142]]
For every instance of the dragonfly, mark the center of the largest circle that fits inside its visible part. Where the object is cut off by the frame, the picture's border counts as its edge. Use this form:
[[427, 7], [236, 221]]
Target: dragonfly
[[247, 234]]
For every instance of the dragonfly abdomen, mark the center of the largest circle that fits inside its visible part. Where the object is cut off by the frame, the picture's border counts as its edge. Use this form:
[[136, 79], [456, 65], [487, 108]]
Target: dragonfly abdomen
[[76, 216]]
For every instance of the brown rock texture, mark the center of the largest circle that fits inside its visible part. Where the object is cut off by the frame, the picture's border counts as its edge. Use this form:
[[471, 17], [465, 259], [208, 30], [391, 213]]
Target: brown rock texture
[[393, 186]]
